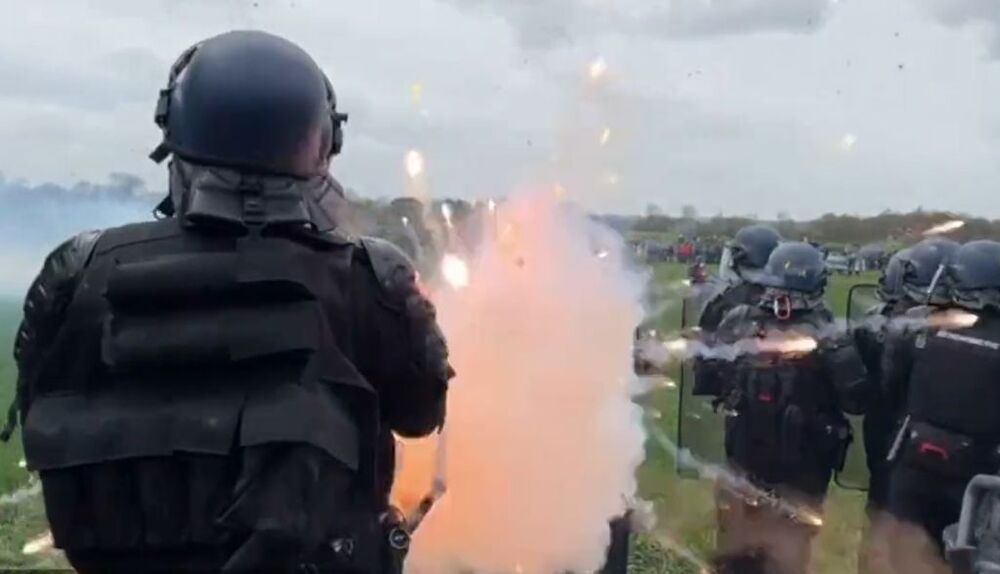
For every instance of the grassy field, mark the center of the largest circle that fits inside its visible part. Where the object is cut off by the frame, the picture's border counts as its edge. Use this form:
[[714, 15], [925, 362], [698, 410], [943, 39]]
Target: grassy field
[[684, 508], [11, 476]]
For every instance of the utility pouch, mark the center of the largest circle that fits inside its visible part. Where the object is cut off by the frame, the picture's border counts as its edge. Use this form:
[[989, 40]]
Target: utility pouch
[[942, 452]]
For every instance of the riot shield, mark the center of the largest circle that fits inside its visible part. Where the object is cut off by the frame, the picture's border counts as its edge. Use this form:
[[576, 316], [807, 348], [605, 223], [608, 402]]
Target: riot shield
[[972, 546], [861, 300], [700, 429], [861, 305]]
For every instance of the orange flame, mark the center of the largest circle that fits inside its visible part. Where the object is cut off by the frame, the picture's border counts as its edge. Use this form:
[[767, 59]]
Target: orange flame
[[953, 319], [791, 346]]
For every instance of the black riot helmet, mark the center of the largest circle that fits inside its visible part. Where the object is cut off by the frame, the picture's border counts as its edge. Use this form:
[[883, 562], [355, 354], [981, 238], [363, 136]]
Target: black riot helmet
[[750, 248], [974, 274], [794, 278], [890, 281], [253, 102], [924, 270]]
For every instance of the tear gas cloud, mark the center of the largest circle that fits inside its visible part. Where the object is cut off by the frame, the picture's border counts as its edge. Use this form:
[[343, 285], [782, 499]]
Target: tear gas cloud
[[543, 438], [35, 218]]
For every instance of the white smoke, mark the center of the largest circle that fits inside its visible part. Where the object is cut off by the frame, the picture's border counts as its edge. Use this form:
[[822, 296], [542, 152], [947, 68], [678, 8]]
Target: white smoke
[[543, 438], [32, 489]]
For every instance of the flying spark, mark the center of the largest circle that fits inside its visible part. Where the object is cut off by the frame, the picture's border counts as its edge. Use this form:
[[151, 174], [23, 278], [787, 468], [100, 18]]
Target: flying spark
[[455, 271], [22, 463], [847, 142], [405, 220], [598, 68], [676, 345], [810, 518], [946, 227], [953, 319], [414, 164], [416, 92], [792, 346], [605, 136], [602, 254], [446, 213], [491, 205], [797, 345]]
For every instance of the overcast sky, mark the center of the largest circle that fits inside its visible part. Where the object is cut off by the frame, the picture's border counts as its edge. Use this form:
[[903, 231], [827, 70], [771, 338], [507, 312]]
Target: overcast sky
[[742, 106]]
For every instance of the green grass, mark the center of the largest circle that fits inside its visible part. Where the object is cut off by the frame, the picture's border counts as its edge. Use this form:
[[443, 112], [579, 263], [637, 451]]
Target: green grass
[[22, 520], [11, 476]]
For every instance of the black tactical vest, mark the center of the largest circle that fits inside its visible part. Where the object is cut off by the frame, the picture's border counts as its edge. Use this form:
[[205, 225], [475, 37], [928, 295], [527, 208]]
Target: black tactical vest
[[786, 420], [955, 380], [180, 350]]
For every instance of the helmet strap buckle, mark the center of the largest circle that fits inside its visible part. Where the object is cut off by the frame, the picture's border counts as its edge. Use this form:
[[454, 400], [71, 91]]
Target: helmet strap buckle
[[782, 306]]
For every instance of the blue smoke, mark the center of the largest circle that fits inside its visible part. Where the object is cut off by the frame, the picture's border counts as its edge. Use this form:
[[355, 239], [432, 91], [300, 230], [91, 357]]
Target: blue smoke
[[35, 218]]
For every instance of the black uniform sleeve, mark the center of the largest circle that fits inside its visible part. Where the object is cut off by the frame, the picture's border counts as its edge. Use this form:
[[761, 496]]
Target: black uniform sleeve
[[711, 375], [409, 362], [712, 314], [896, 365], [870, 343], [847, 373], [44, 310]]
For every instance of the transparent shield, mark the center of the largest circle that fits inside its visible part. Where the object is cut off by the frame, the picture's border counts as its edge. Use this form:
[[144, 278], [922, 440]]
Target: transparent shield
[[854, 475], [726, 271], [700, 429], [861, 301]]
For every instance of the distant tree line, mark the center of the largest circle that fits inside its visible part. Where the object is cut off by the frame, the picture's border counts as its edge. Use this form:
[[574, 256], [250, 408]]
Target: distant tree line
[[829, 228]]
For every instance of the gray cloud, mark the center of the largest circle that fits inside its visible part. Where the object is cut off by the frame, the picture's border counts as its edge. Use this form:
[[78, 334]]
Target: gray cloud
[[972, 13], [713, 17], [549, 23], [119, 77]]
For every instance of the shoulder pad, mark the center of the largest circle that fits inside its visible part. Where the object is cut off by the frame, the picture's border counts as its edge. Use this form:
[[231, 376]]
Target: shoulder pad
[[393, 268], [72, 256], [737, 315]]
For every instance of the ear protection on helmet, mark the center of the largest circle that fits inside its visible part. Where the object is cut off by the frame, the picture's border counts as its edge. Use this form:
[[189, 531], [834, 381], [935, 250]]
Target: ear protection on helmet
[[337, 120], [162, 112]]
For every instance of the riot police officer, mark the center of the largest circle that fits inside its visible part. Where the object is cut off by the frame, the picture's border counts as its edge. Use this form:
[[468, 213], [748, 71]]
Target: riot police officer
[[742, 263], [946, 373], [214, 391], [785, 396], [879, 420], [903, 285], [740, 272]]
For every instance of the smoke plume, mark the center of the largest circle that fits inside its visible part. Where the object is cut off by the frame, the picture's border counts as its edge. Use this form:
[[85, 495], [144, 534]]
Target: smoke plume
[[35, 218], [542, 436]]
